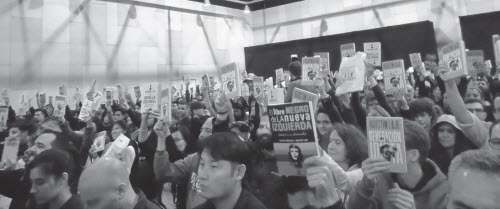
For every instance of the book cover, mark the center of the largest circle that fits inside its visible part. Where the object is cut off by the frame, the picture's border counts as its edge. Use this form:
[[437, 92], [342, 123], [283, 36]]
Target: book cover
[[474, 58], [373, 52], [280, 76], [311, 67], [59, 105], [99, 142], [417, 64], [276, 96], [351, 74], [245, 90], [496, 48], [258, 87], [230, 80], [386, 140], [325, 60], [51, 100], [205, 82], [137, 92], [454, 56], [87, 107], [150, 94], [117, 146], [4, 96], [166, 103], [294, 135], [300, 95], [63, 90], [4, 116], [347, 50], [10, 150], [269, 83], [43, 99], [394, 75]]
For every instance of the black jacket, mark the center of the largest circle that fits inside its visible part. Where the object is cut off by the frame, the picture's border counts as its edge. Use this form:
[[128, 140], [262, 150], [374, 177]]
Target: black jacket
[[245, 201]]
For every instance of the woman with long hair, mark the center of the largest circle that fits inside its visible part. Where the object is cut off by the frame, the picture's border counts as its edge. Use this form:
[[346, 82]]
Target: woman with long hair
[[348, 146]]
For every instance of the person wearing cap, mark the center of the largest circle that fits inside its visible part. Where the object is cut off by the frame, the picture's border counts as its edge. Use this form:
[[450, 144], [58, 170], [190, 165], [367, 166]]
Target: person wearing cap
[[447, 141], [241, 129], [295, 71]]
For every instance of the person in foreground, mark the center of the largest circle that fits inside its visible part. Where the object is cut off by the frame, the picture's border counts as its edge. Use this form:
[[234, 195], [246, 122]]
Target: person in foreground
[[106, 185], [223, 164], [474, 180], [51, 173], [424, 186]]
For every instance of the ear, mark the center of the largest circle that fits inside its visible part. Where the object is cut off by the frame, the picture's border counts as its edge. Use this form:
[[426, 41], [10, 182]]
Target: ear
[[412, 155], [122, 190], [239, 172], [64, 178]]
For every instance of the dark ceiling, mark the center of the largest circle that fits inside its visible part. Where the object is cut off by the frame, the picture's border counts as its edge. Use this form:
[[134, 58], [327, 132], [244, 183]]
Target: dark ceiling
[[253, 4]]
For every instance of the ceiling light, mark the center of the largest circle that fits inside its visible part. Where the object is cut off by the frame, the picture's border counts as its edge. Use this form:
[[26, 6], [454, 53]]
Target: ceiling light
[[207, 3], [247, 10]]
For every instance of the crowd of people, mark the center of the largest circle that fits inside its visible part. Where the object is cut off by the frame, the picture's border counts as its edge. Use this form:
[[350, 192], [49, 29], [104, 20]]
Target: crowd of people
[[220, 154]]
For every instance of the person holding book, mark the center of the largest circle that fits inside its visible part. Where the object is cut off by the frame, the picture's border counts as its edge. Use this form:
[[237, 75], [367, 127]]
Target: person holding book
[[40, 115], [51, 174], [22, 131], [473, 180], [295, 71], [423, 186], [105, 184]]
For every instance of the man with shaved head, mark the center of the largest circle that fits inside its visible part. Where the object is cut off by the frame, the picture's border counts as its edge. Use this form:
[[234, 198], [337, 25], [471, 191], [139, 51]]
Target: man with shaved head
[[105, 185]]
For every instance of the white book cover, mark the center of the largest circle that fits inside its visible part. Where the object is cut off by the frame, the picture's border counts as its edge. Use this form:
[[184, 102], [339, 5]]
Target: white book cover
[[10, 150], [311, 67], [373, 52], [475, 58], [230, 78], [117, 146], [347, 50], [280, 76], [386, 140], [59, 106], [300, 95], [150, 97], [455, 58], [276, 96], [86, 110], [4, 116], [166, 103], [258, 87], [351, 74], [325, 60], [394, 75], [417, 64], [496, 48]]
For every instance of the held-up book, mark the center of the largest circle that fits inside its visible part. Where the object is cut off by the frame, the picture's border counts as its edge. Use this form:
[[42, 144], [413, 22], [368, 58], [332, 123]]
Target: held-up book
[[496, 47], [10, 150], [280, 76], [311, 67], [276, 96], [351, 74], [394, 75], [120, 143], [230, 78], [137, 92], [150, 94], [63, 90], [474, 58], [268, 83], [347, 50], [386, 140], [294, 136], [99, 142], [4, 115], [85, 110], [60, 105], [43, 99], [454, 56], [417, 64], [245, 90], [300, 95], [325, 60], [258, 87], [373, 53], [166, 104]]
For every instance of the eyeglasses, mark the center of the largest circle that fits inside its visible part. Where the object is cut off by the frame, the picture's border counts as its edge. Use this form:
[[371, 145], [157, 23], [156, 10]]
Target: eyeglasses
[[494, 143]]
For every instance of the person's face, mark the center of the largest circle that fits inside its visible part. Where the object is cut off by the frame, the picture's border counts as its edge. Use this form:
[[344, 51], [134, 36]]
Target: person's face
[[42, 143], [117, 116], [199, 112], [476, 109], [236, 130], [17, 134], [182, 109], [437, 95], [484, 187], [151, 121], [423, 119], [495, 131], [294, 152], [496, 105], [44, 187], [472, 94], [206, 129], [49, 109], [446, 134], [106, 119], [216, 177], [323, 123], [179, 141], [38, 117], [409, 96], [483, 82], [336, 148], [116, 131]]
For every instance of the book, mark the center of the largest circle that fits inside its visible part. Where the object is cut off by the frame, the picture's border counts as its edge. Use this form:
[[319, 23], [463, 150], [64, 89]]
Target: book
[[417, 64], [300, 95], [99, 142], [117, 146], [269, 83], [4, 116], [51, 100], [386, 140], [373, 52], [230, 78], [454, 56], [10, 150], [150, 94], [5, 97], [43, 99], [325, 60], [311, 67], [496, 48], [351, 74], [87, 107], [347, 50], [280, 76], [205, 82], [63, 90], [394, 75], [474, 59], [137, 91], [166, 104], [59, 106], [294, 136], [258, 87], [245, 90], [276, 96]]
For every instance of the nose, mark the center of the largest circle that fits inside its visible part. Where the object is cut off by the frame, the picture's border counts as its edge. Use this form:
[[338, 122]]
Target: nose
[[32, 190], [202, 174]]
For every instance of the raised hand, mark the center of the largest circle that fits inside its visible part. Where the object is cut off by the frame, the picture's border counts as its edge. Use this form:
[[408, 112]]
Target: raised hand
[[372, 167], [320, 178], [400, 198]]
